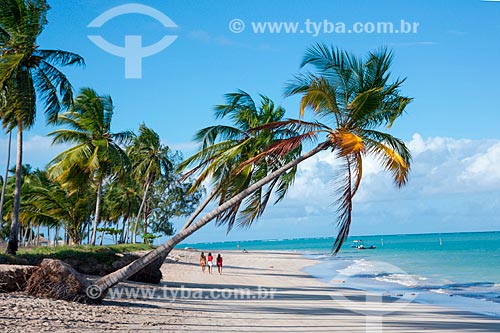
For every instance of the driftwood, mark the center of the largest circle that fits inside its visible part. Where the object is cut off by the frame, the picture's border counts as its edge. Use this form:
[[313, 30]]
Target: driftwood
[[58, 280], [15, 277]]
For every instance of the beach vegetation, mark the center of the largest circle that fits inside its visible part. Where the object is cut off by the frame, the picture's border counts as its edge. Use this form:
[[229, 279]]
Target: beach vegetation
[[28, 74]]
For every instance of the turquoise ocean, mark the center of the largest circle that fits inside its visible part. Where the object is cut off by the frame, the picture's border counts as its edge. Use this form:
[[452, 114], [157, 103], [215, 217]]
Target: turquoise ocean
[[458, 270]]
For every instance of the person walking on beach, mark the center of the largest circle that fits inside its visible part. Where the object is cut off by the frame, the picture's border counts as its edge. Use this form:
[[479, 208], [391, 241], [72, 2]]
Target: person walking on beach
[[203, 262], [210, 262], [219, 263]]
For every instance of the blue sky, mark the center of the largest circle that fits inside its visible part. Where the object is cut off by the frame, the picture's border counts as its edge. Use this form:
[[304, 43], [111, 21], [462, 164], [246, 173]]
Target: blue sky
[[451, 65]]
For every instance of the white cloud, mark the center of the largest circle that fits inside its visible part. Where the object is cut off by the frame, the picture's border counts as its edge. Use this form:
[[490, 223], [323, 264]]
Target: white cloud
[[37, 150], [483, 169], [443, 170], [454, 186]]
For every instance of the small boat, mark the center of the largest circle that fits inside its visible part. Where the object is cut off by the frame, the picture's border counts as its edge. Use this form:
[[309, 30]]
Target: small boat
[[360, 245]]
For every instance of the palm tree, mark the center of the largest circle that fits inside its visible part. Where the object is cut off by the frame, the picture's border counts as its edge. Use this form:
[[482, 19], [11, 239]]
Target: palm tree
[[27, 72], [225, 147], [26, 172], [358, 98], [123, 201], [150, 159], [48, 203], [97, 153]]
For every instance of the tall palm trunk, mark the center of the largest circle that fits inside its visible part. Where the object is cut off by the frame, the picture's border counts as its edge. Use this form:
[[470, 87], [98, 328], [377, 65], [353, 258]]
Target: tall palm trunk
[[124, 225], [102, 234], [30, 235], [127, 231], [4, 185], [143, 203], [65, 229], [134, 233], [13, 240], [97, 214], [37, 240], [110, 280], [56, 237], [24, 238], [145, 225]]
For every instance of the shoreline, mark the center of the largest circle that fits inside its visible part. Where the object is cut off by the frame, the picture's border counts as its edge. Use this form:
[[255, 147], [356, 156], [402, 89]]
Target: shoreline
[[456, 270], [238, 300], [413, 293]]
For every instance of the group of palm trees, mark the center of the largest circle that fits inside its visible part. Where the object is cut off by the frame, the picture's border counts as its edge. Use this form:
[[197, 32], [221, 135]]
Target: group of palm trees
[[113, 177], [256, 158], [110, 167], [250, 159]]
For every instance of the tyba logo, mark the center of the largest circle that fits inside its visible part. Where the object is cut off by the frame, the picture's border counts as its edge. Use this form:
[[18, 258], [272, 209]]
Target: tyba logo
[[132, 51]]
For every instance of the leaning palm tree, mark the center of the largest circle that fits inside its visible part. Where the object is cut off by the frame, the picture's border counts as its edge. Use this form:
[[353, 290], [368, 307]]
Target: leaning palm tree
[[149, 160], [223, 150], [96, 154], [27, 72], [355, 98]]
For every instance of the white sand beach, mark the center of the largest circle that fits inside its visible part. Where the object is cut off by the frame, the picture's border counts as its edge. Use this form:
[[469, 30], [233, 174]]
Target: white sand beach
[[257, 292]]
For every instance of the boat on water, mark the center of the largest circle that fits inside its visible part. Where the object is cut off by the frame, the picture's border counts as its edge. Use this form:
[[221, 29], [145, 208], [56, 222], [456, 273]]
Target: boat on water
[[360, 245]]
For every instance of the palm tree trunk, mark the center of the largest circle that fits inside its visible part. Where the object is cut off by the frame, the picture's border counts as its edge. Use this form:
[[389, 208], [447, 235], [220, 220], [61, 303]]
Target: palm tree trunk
[[191, 219], [102, 237], [30, 234], [65, 233], [134, 233], [112, 279], [88, 233], [13, 240], [4, 185], [97, 214], [122, 234], [24, 239], [37, 240], [56, 237], [102, 233], [127, 231], [143, 202], [145, 229], [201, 207]]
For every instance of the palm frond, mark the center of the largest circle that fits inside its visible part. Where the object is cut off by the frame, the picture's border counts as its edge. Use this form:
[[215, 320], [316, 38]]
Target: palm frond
[[60, 57], [392, 153], [8, 64], [349, 174]]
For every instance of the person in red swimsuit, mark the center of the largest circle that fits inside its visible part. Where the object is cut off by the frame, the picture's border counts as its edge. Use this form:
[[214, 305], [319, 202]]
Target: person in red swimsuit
[[210, 262], [219, 263]]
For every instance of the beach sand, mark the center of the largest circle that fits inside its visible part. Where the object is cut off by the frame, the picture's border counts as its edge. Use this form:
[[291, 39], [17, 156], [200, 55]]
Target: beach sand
[[257, 292]]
